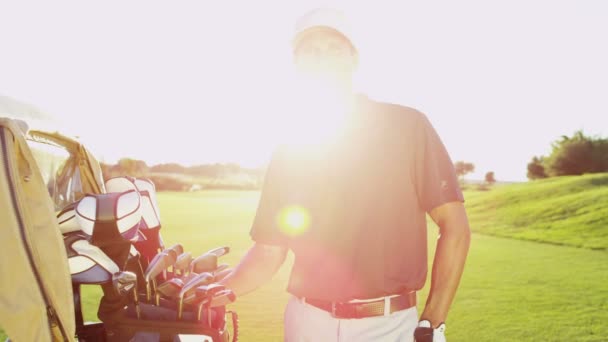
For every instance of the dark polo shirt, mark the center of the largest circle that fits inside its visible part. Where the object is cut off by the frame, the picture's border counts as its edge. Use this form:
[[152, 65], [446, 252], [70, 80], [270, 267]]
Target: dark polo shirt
[[365, 196]]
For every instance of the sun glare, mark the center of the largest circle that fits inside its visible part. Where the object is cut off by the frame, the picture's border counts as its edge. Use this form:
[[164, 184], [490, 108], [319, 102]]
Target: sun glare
[[318, 116], [294, 220]]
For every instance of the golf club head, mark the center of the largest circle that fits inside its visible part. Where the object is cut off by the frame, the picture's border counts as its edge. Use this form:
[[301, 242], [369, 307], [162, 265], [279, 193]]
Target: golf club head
[[200, 279], [219, 298], [222, 298], [202, 293], [220, 268], [204, 263], [177, 248], [155, 259], [159, 264], [183, 262], [219, 251], [208, 290], [170, 288], [221, 274], [189, 277], [172, 254], [124, 282]]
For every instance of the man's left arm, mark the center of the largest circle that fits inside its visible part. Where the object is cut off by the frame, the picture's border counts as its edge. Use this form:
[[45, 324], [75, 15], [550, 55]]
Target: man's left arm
[[448, 264]]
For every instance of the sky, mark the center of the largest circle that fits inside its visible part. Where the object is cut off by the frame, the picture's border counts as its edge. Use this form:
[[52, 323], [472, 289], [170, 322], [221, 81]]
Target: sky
[[207, 81]]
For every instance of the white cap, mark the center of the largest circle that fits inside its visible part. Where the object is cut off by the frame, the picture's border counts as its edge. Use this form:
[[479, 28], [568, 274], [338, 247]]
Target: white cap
[[323, 17]]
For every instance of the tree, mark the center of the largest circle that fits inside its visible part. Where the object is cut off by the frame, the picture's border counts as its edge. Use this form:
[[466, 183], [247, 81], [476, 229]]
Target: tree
[[131, 167], [577, 155], [490, 178], [106, 171], [536, 169], [573, 155], [168, 168], [463, 168]]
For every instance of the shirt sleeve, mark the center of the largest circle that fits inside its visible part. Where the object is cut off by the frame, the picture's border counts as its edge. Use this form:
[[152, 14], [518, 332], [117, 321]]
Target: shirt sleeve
[[265, 228], [436, 181]]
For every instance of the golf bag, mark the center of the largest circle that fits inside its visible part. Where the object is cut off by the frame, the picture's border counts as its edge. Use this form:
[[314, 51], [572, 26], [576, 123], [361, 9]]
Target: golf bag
[[100, 231], [108, 240]]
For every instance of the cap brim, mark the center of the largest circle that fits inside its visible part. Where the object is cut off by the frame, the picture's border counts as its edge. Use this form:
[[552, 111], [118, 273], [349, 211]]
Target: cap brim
[[300, 35]]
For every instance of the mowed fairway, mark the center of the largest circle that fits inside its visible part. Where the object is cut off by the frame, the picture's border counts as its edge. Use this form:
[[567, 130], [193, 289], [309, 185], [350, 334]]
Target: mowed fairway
[[511, 291]]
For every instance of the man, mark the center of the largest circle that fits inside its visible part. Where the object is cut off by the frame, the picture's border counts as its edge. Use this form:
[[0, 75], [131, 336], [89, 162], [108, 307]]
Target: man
[[353, 211]]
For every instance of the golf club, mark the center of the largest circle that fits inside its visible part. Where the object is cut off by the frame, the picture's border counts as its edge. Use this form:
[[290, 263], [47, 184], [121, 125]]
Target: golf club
[[221, 274], [220, 251], [208, 290], [174, 250], [201, 292], [160, 262], [220, 297], [125, 282], [189, 277], [168, 289], [182, 263], [201, 279], [221, 268], [204, 263]]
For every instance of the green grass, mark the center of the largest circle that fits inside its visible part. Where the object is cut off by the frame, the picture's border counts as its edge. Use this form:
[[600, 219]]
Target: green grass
[[569, 211], [511, 290]]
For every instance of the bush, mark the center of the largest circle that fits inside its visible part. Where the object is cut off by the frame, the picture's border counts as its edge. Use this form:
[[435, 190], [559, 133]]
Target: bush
[[536, 169], [489, 178], [574, 155], [175, 177], [577, 155], [462, 168], [169, 183]]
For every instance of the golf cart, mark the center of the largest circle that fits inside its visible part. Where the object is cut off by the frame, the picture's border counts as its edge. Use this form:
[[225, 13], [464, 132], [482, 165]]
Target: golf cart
[[63, 227]]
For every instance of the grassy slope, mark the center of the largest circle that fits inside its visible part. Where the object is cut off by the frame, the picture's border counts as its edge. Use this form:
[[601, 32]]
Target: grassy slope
[[511, 290], [564, 210]]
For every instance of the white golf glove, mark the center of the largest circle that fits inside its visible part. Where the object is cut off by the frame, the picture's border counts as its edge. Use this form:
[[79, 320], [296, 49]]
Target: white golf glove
[[424, 332]]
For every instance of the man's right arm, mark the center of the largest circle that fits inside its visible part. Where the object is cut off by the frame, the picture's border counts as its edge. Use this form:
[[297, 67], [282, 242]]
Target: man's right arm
[[257, 267], [270, 248]]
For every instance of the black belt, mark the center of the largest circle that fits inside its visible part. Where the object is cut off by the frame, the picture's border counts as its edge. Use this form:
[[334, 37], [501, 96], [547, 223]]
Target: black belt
[[364, 309]]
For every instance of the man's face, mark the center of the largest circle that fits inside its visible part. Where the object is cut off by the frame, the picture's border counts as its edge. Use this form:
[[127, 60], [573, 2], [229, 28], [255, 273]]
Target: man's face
[[326, 56]]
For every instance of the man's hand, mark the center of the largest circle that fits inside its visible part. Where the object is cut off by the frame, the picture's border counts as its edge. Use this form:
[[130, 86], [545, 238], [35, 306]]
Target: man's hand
[[450, 256], [424, 332], [257, 267]]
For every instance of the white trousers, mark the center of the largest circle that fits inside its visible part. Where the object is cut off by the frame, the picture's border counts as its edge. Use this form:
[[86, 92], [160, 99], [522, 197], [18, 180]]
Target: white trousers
[[306, 323]]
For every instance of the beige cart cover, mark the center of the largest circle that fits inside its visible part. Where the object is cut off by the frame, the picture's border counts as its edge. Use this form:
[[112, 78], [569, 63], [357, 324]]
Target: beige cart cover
[[36, 301]]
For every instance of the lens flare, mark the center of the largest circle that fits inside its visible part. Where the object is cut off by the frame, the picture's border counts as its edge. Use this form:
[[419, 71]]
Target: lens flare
[[294, 220]]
